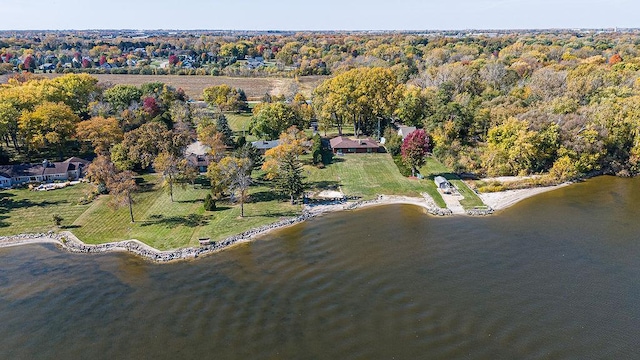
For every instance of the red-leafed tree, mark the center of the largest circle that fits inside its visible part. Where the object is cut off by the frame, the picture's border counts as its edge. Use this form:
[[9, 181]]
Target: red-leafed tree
[[173, 60], [29, 63], [415, 148], [86, 63], [150, 106], [103, 59], [616, 58]]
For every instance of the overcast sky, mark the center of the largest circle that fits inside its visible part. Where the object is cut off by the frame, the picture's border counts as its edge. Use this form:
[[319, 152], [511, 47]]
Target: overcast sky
[[318, 14]]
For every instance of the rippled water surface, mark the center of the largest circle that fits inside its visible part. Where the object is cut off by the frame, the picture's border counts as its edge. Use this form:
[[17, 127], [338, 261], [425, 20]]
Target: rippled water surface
[[556, 276]]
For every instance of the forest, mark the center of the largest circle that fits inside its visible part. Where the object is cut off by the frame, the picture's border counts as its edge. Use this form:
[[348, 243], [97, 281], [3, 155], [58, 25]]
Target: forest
[[558, 103]]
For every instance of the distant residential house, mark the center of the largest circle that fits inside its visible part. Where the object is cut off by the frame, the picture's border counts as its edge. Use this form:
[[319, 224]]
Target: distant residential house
[[47, 66], [404, 131], [264, 145], [346, 145], [197, 155], [47, 171], [199, 161], [5, 182], [255, 62]]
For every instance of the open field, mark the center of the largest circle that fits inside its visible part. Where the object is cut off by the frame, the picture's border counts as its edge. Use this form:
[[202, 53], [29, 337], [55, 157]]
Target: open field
[[433, 168], [31, 211], [193, 85], [159, 222], [168, 225], [365, 176]]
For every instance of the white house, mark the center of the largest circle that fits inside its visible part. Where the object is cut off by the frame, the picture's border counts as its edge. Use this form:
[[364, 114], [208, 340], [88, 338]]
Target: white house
[[404, 131]]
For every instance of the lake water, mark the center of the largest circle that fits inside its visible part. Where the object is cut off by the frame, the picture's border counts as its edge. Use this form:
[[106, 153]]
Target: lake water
[[557, 276]]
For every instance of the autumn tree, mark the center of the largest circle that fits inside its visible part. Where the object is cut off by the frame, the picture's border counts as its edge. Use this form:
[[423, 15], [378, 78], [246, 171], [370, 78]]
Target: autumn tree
[[49, 124], [173, 169], [226, 98], [415, 148], [282, 164], [101, 170], [75, 90], [101, 132], [231, 174], [121, 96], [362, 96], [121, 188], [271, 119]]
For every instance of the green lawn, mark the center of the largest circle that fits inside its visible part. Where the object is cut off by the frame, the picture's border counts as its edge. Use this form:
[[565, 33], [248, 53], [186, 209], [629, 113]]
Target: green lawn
[[433, 168], [23, 210], [159, 222], [366, 176], [168, 225]]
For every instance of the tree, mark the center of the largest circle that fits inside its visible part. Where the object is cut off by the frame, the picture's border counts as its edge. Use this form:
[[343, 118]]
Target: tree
[[362, 95], [57, 220], [49, 124], [289, 180], [226, 98], [101, 172], [222, 126], [121, 96], [101, 132], [282, 164], [172, 168], [122, 187], [237, 175], [74, 90], [415, 148], [271, 119]]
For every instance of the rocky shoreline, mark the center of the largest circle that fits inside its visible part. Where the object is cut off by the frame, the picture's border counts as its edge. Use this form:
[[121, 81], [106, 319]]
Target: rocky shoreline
[[69, 242]]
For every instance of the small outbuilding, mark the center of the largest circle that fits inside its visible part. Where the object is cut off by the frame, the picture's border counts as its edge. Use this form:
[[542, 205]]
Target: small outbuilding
[[443, 184]]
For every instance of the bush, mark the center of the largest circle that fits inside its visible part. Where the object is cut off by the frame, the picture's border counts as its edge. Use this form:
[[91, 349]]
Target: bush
[[57, 219], [209, 203], [404, 169]]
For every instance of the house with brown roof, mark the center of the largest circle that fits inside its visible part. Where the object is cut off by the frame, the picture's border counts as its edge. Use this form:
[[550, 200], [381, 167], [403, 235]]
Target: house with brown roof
[[71, 169], [201, 162], [345, 145]]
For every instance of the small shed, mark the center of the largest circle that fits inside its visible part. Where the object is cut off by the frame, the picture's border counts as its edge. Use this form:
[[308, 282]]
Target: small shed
[[443, 184]]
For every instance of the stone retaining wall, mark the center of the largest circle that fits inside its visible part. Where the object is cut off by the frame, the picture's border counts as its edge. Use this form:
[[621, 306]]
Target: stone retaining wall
[[71, 243]]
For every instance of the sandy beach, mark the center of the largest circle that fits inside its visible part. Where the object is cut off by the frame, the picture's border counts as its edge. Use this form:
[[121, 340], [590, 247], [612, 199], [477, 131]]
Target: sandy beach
[[504, 199]]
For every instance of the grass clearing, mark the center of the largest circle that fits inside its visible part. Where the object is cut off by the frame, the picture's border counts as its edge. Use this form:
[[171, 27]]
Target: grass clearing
[[365, 176], [159, 222], [433, 168], [23, 210]]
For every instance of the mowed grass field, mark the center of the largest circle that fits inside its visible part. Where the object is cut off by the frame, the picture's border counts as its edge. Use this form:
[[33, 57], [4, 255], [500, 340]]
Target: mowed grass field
[[433, 168], [193, 85], [365, 176], [168, 225], [24, 211], [159, 222]]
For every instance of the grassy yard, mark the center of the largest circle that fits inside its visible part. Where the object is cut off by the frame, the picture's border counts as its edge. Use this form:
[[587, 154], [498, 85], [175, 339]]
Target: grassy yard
[[159, 222], [366, 176], [433, 168], [32, 211]]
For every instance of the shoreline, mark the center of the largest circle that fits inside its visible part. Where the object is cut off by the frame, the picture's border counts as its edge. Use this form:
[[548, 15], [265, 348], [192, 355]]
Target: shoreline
[[65, 240]]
